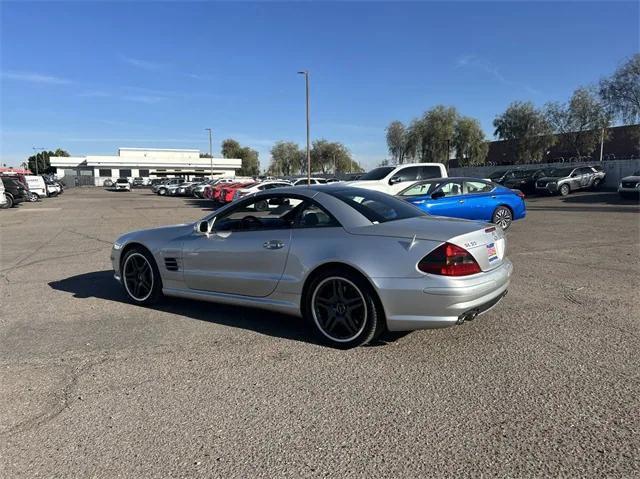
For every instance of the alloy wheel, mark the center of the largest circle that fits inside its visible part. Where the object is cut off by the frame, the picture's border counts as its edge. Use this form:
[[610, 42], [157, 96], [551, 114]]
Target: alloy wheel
[[503, 218], [339, 309], [137, 277]]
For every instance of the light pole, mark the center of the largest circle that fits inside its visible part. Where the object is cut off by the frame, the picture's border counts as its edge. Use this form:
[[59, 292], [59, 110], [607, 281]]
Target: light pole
[[210, 152], [36, 156], [306, 78]]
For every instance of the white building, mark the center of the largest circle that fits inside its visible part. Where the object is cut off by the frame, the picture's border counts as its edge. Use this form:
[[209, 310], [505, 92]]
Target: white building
[[142, 162]]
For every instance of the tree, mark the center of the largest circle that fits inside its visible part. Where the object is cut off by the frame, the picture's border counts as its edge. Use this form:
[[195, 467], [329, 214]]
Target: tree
[[397, 141], [205, 155], [40, 161], [429, 138], [332, 157], [621, 92], [250, 165], [527, 129], [286, 159], [230, 148], [580, 122], [468, 142]]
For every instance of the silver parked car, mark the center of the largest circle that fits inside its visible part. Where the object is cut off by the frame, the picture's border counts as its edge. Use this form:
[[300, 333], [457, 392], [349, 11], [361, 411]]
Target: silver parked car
[[629, 186], [350, 261], [568, 179]]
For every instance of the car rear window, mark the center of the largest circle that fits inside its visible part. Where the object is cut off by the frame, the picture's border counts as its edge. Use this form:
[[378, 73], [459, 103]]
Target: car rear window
[[377, 173], [375, 206]]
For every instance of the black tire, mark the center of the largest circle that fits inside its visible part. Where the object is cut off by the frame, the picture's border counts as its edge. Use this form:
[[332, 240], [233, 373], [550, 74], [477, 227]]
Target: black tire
[[9, 202], [356, 317], [596, 184], [133, 260], [162, 191], [33, 197], [564, 190], [503, 217]]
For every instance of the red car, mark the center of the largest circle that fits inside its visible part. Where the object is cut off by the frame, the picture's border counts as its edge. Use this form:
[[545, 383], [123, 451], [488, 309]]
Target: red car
[[229, 191]]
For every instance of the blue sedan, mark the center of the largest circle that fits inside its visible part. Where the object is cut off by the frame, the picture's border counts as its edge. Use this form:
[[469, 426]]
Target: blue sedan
[[469, 198]]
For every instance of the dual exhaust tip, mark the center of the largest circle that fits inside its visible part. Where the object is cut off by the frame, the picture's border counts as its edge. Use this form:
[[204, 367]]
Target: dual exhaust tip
[[468, 316]]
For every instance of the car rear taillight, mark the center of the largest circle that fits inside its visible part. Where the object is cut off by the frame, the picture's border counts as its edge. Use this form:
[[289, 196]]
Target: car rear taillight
[[519, 193], [449, 260]]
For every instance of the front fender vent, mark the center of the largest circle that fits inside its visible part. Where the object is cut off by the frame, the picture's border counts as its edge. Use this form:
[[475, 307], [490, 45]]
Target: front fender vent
[[171, 264]]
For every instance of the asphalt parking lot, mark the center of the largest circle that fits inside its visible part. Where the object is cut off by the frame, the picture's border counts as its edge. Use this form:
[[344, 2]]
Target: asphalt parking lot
[[546, 384]]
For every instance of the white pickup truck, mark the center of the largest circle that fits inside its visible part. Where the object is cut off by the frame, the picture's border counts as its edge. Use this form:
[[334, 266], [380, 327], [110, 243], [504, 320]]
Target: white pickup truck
[[393, 179]]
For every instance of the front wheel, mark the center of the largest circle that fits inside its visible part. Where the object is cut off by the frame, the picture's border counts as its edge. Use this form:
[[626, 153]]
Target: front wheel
[[140, 277], [8, 203], [33, 197], [565, 190], [503, 217], [162, 191], [343, 309], [596, 184]]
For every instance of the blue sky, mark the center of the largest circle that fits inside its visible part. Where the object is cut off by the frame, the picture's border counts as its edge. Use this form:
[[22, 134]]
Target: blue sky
[[91, 77]]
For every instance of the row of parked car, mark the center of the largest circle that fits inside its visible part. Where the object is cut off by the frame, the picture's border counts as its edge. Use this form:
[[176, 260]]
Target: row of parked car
[[425, 185], [562, 181], [16, 188]]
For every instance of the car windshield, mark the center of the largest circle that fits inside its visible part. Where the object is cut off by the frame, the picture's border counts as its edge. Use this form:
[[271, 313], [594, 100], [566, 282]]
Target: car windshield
[[377, 173], [636, 173], [497, 174], [560, 172], [377, 207], [122, 180], [419, 189]]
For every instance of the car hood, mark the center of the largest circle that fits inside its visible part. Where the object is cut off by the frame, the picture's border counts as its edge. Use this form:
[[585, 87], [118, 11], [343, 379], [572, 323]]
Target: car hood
[[630, 178], [435, 228], [163, 232]]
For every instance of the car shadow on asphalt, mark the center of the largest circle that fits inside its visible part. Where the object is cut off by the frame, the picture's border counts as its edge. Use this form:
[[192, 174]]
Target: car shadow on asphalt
[[204, 204], [102, 285], [595, 202]]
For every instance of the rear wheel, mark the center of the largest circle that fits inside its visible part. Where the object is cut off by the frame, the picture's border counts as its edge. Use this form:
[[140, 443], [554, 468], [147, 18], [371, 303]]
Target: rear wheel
[[140, 277], [565, 190], [33, 197], [343, 309], [8, 203], [503, 217]]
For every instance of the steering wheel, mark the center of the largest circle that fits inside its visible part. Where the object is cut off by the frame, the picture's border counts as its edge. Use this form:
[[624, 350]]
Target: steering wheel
[[249, 222]]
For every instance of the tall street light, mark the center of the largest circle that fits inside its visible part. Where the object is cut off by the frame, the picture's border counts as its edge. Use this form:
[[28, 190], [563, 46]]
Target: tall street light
[[306, 78], [36, 150], [210, 151]]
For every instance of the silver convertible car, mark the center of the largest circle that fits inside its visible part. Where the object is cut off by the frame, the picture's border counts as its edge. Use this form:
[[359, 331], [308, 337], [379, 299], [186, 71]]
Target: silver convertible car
[[352, 262]]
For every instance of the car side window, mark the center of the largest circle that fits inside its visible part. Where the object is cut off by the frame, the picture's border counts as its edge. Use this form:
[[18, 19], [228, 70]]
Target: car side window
[[427, 172], [264, 213], [477, 187], [412, 173], [451, 188], [312, 216]]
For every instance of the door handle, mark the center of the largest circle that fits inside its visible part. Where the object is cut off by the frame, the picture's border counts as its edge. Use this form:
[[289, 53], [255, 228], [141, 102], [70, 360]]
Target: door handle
[[273, 244], [460, 201], [493, 196]]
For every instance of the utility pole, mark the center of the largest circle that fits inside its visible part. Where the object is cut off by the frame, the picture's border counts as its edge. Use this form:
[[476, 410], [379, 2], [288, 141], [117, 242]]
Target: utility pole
[[601, 144], [210, 152], [306, 78]]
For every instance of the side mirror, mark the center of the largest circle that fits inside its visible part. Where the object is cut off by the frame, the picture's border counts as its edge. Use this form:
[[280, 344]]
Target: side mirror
[[394, 180], [437, 194], [202, 227]]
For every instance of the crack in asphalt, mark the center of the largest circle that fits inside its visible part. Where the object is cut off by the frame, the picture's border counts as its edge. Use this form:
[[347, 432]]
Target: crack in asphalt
[[55, 410]]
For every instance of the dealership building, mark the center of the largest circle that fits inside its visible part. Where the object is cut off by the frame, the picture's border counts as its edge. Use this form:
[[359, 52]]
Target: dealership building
[[142, 162]]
